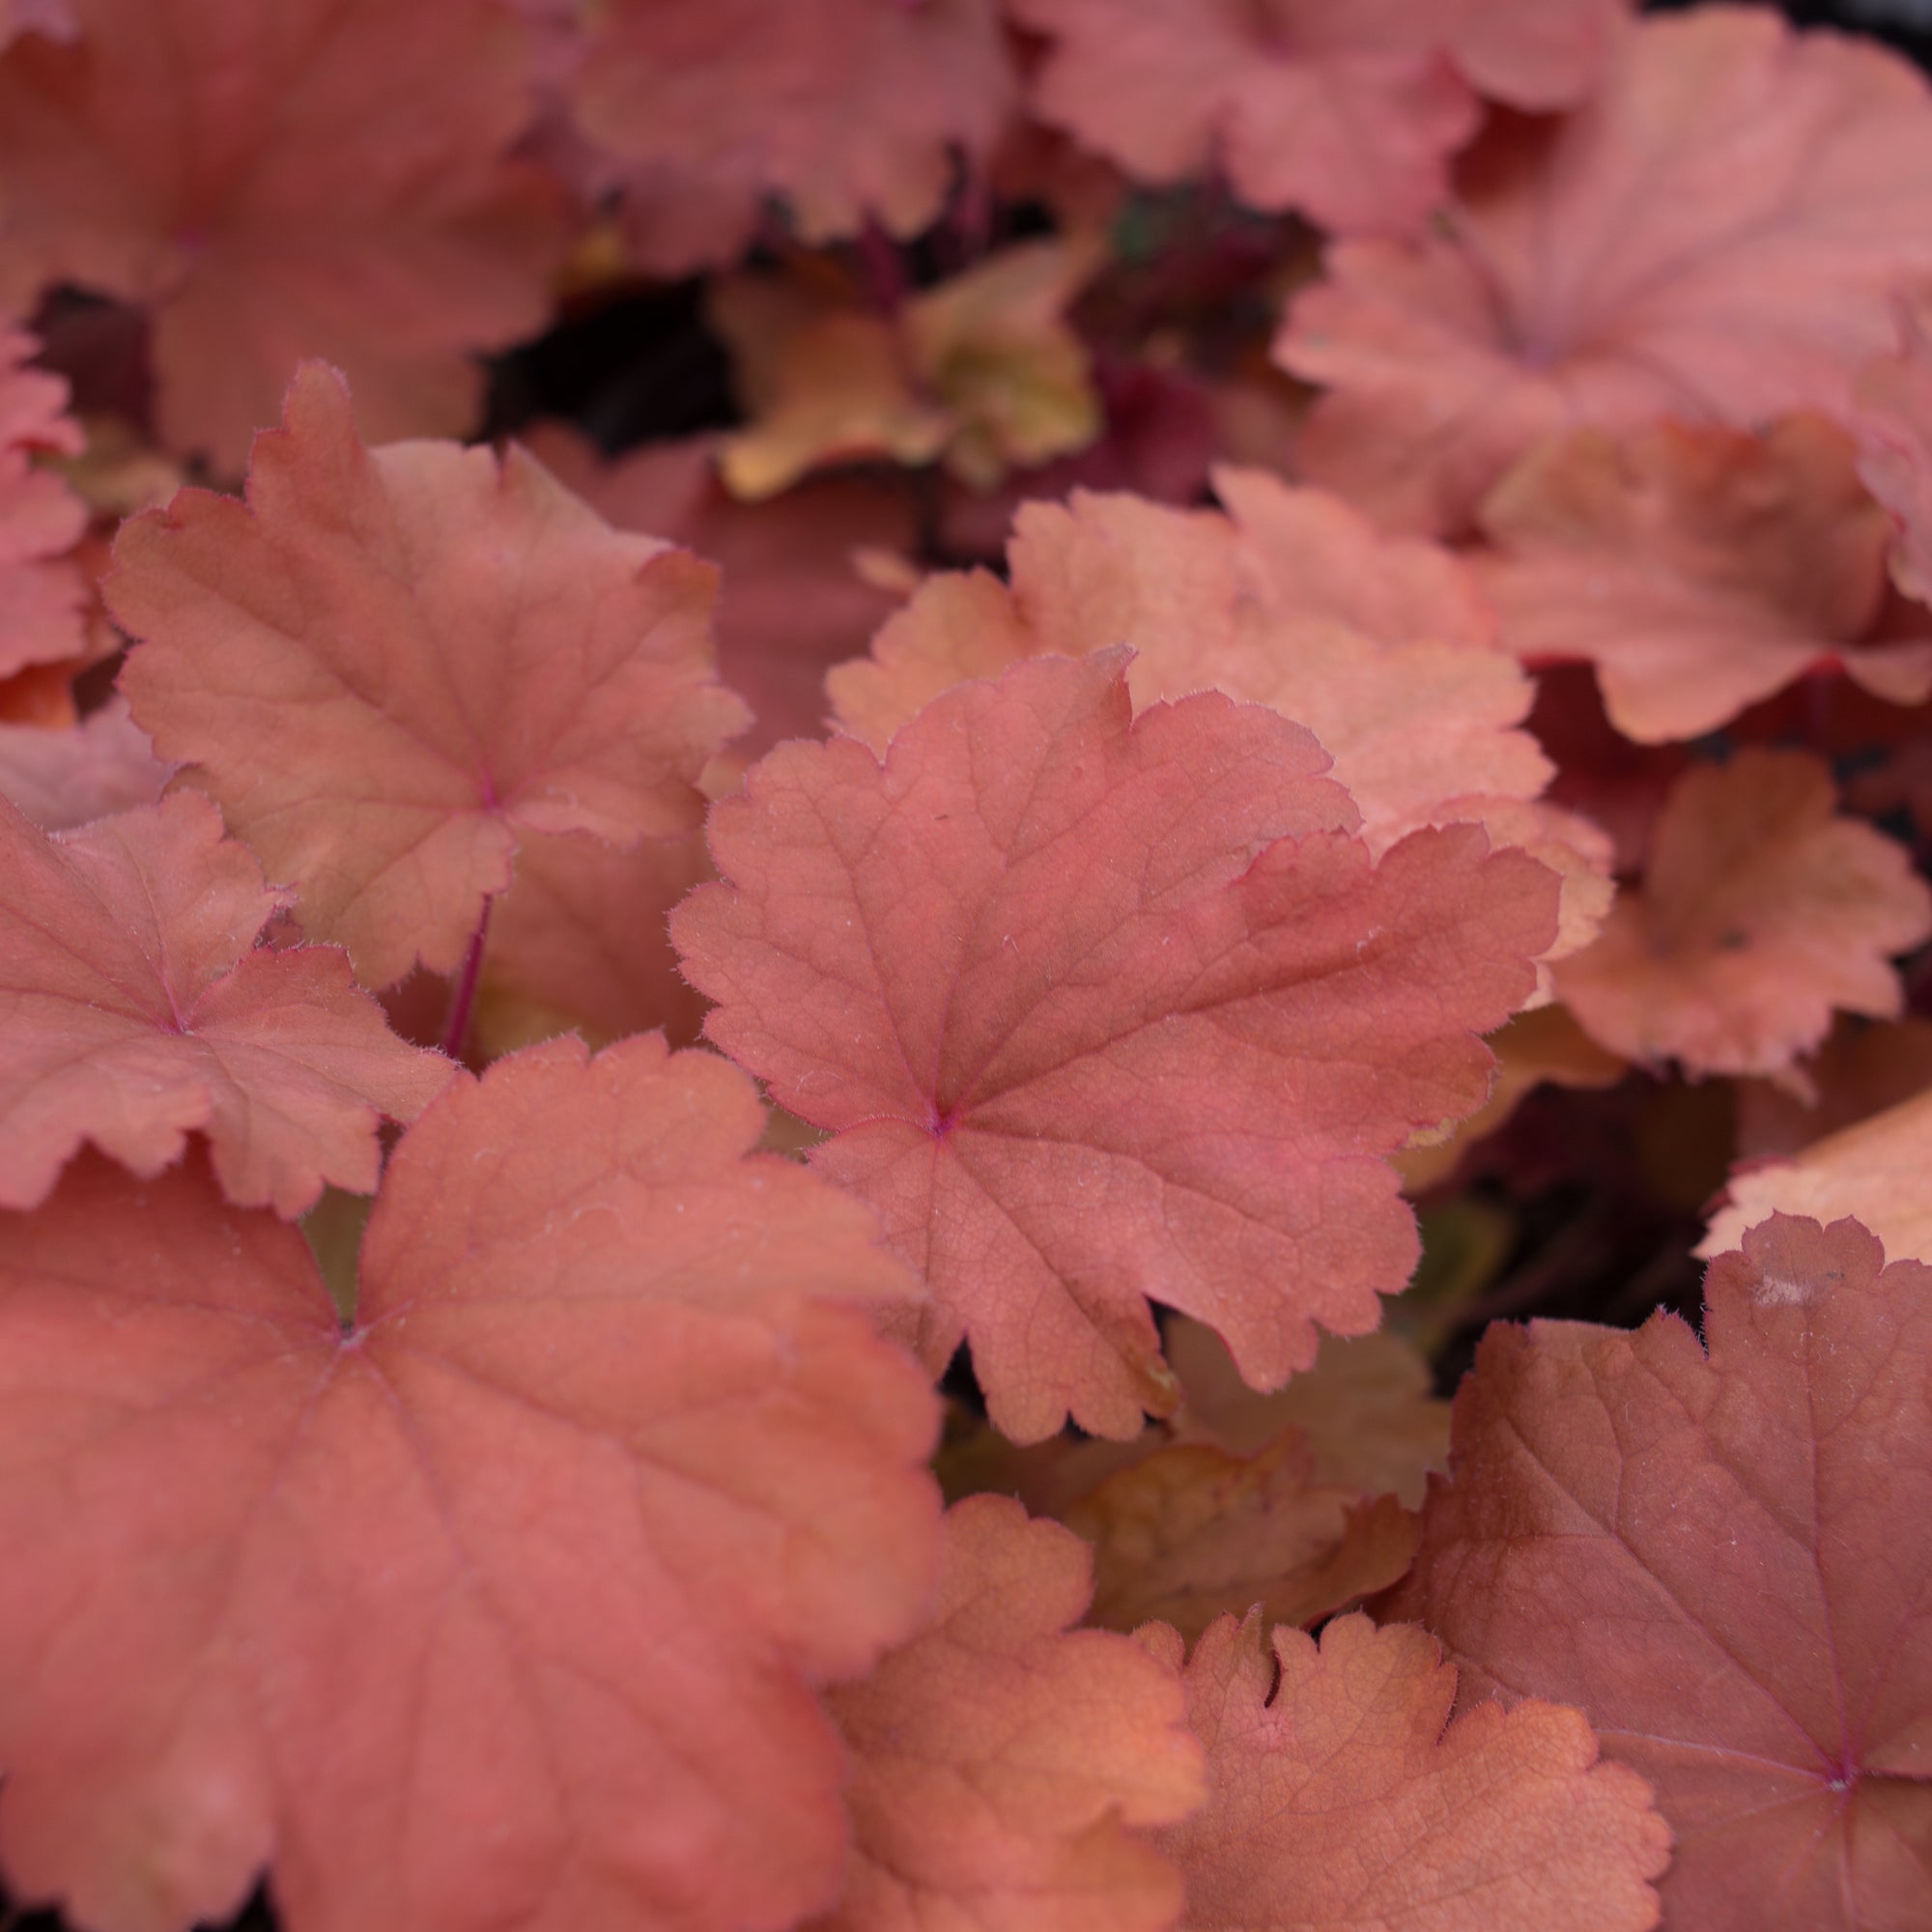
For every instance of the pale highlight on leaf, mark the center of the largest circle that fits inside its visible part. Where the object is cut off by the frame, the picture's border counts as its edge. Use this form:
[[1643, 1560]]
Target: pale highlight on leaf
[[1762, 911], [502, 1605], [1565, 286], [389, 665], [1344, 1795], [1721, 1559], [1700, 569], [135, 1010], [1098, 1008], [999, 1758]]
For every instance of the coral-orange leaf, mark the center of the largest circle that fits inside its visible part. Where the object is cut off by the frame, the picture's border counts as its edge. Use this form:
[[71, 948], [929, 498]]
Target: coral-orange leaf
[[1099, 1010], [41, 594], [390, 663], [1565, 286], [1348, 114], [1894, 424], [1341, 1800], [1762, 911], [848, 109], [319, 178], [998, 1756], [499, 1607], [1723, 1560], [1700, 569], [1192, 1533], [134, 1010], [65, 778]]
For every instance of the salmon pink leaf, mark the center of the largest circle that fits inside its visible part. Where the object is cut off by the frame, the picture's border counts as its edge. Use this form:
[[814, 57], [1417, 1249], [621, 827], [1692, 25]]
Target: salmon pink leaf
[[1763, 911], [849, 110], [1099, 1009], [1873, 1171], [63, 777], [389, 664], [1894, 424], [1345, 114], [501, 1605], [134, 1010], [791, 602], [1382, 648], [999, 1757], [326, 177], [1566, 286], [43, 595], [1700, 569], [1344, 1795], [1721, 1554]]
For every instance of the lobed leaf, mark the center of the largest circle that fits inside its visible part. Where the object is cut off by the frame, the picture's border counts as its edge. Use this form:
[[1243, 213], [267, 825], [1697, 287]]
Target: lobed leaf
[[389, 665], [1563, 287], [498, 1606], [1721, 1554], [135, 1008], [1701, 570], [1000, 1758], [1099, 1009], [1343, 1796], [1762, 911]]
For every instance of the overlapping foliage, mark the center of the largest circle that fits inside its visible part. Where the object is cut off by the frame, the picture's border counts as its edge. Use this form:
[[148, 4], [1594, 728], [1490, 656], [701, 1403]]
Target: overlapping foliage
[[740, 1173]]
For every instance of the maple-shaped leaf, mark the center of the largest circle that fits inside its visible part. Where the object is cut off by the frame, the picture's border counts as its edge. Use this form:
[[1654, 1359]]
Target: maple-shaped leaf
[[999, 1758], [792, 600], [42, 596], [62, 779], [389, 664], [1716, 234], [1191, 1533], [984, 370], [497, 1606], [1722, 1558], [849, 110], [321, 178], [1099, 1007], [1382, 648], [1895, 425], [1873, 1171], [135, 1008], [1762, 911], [1344, 1795], [1700, 569]]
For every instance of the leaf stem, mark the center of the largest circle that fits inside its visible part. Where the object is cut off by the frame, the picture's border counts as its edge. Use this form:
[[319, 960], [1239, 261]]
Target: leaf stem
[[463, 996]]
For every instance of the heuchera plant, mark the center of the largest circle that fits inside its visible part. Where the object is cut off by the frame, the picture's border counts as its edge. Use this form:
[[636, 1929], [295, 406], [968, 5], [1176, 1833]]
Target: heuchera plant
[[745, 1138]]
